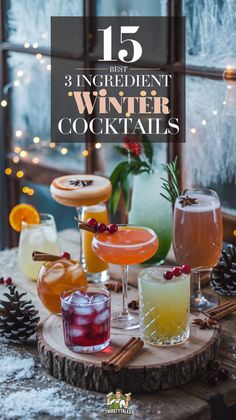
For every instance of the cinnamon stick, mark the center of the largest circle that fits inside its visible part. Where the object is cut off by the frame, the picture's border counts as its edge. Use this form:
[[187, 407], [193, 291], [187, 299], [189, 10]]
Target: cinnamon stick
[[222, 310], [114, 356], [43, 256], [128, 355], [124, 354], [221, 307], [224, 313], [85, 226]]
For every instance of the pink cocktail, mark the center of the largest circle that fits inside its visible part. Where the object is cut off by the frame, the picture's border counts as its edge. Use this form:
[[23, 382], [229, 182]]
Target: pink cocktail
[[86, 319]]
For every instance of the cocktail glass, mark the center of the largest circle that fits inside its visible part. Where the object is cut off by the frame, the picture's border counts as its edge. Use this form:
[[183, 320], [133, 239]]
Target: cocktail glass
[[55, 277], [86, 313], [86, 193], [198, 239], [129, 245], [42, 237], [163, 307]]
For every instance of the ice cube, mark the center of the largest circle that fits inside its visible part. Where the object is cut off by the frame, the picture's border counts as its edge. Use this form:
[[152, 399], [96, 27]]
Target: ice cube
[[80, 299], [50, 234], [82, 320], [55, 274], [83, 310], [98, 302], [76, 332], [35, 239], [102, 317]]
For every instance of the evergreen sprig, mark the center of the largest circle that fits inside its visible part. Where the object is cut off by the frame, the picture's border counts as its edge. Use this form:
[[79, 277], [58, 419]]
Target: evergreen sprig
[[171, 185]]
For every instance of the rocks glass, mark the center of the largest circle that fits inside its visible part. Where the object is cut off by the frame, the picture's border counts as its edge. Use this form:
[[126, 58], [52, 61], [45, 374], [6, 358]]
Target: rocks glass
[[164, 307], [86, 313]]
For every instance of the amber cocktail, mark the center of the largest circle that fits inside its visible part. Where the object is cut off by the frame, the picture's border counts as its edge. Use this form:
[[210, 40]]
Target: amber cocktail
[[129, 245], [55, 277], [198, 237]]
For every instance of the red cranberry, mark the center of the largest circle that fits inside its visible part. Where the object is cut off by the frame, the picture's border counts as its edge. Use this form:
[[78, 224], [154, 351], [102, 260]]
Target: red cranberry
[[66, 255], [101, 227], [92, 222], [168, 275], [186, 269], [223, 374], [8, 281], [177, 271], [212, 379], [112, 228], [1, 280]]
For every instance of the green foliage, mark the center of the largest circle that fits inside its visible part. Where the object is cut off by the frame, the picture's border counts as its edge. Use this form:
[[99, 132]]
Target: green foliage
[[121, 177], [171, 185]]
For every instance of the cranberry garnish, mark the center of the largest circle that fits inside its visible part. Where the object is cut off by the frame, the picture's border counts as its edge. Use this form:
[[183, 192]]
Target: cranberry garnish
[[101, 227], [66, 255], [186, 269], [177, 271], [112, 228], [223, 374], [92, 222], [8, 281], [168, 275]]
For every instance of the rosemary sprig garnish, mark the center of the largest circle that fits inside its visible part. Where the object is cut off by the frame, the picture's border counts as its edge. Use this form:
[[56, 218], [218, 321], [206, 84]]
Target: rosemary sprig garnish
[[171, 184]]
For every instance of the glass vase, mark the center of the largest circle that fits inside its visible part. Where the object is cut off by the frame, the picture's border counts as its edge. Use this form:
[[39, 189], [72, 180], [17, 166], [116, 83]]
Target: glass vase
[[149, 208]]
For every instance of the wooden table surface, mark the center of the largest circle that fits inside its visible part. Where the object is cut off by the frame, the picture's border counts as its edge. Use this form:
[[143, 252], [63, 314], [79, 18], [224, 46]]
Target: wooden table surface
[[195, 400]]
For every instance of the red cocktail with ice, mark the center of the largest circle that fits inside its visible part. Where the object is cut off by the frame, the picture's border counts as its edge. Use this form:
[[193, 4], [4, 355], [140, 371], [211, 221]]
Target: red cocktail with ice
[[86, 313]]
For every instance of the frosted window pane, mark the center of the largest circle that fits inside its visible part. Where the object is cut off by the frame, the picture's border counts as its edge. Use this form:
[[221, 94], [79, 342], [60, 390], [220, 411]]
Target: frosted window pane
[[29, 20], [210, 32], [131, 8], [30, 113], [210, 148]]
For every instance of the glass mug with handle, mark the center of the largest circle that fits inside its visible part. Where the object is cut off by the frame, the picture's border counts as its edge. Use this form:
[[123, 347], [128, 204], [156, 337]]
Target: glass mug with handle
[[198, 237]]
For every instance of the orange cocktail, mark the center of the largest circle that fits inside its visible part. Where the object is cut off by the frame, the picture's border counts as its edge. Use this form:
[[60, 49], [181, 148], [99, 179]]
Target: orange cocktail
[[129, 245]]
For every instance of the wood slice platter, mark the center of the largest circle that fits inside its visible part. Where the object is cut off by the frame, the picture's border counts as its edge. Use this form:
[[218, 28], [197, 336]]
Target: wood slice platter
[[152, 369]]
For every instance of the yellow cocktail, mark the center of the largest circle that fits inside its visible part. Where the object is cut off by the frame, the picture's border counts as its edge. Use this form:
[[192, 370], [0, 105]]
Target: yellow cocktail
[[93, 263], [164, 307]]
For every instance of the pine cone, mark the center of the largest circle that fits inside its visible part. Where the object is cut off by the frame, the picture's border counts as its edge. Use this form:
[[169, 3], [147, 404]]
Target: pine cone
[[223, 275], [18, 317]]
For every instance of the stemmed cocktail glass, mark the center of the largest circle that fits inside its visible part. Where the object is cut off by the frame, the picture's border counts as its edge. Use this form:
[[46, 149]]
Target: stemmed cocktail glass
[[198, 237], [87, 193], [129, 245]]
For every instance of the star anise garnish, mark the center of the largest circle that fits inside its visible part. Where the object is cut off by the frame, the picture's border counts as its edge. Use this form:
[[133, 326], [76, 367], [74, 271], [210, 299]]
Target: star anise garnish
[[205, 323], [114, 287], [134, 304], [187, 201], [80, 183]]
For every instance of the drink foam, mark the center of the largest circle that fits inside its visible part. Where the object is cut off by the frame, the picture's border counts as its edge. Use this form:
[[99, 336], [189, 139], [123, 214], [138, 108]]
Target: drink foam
[[205, 203]]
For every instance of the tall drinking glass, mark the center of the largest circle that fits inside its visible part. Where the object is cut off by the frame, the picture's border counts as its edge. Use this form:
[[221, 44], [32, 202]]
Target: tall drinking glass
[[129, 245], [42, 237], [198, 238]]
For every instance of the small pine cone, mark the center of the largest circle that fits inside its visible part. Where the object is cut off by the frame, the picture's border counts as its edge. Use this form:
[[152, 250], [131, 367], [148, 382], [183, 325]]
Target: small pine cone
[[18, 317], [223, 275]]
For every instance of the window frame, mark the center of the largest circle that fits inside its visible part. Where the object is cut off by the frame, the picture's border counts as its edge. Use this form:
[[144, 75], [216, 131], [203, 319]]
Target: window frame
[[43, 173]]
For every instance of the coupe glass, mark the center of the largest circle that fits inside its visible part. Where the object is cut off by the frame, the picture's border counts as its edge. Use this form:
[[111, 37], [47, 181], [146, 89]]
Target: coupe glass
[[129, 245], [198, 239]]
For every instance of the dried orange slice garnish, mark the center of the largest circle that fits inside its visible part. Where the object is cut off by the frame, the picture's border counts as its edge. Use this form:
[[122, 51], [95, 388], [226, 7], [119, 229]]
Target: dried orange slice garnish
[[73, 183], [23, 213]]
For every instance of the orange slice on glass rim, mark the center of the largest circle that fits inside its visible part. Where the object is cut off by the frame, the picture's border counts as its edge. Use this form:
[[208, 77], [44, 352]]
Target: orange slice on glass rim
[[23, 213]]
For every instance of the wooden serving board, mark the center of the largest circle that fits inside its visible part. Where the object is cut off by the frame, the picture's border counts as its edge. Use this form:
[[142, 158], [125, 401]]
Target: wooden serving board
[[152, 369]]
